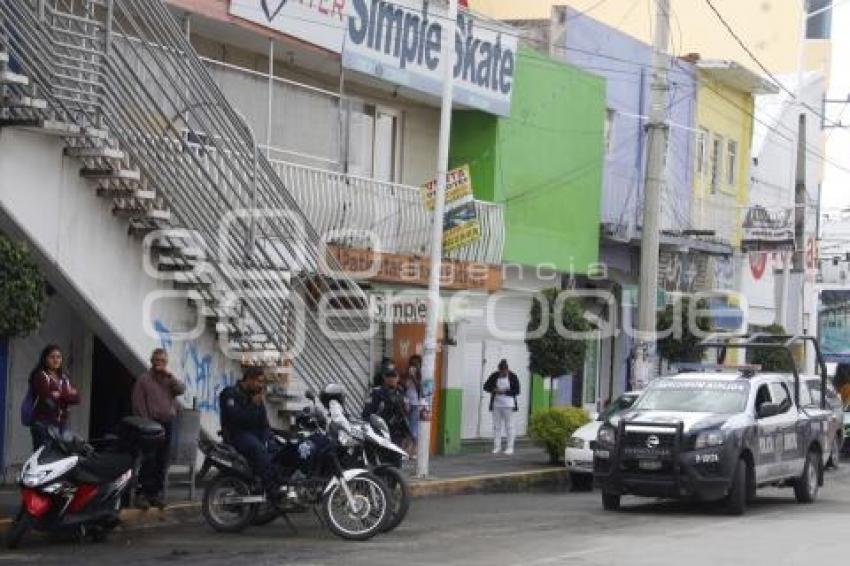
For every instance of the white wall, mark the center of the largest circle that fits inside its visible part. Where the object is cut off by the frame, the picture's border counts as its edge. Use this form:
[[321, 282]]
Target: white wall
[[773, 180], [87, 254]]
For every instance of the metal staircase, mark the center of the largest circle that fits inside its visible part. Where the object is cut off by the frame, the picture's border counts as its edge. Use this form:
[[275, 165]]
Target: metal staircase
[[119, 82]]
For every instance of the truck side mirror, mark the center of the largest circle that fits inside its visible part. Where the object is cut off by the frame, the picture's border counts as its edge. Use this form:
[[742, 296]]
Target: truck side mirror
[[767, 410]]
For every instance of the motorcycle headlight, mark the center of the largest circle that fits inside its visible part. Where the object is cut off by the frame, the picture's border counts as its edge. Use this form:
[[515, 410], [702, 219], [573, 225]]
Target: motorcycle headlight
[[607, 435], [33, 478], [345, 439], [709, 439], [575, 442]]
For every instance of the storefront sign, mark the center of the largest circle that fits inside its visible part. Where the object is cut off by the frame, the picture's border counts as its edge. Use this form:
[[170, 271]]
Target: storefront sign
[[460, 223], [400, 309], [400, 41], [834, 325], [320, 22], [413, 270], [768, 229]]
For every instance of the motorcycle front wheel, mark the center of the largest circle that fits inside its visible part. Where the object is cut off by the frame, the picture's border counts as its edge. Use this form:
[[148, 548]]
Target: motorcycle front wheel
[[22, 525], [222, 514], [399, 494], [364, 516]]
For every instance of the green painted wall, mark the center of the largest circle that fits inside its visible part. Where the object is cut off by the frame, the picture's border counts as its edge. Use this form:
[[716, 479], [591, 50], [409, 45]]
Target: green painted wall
[[540, 396], [452, 420], [544, 162]]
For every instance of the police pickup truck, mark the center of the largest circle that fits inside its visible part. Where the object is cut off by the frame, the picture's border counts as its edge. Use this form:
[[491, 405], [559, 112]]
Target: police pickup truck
[[718, 433]]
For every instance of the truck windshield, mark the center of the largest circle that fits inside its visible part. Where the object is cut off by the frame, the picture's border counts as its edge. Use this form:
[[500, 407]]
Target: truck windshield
[[694, 396]]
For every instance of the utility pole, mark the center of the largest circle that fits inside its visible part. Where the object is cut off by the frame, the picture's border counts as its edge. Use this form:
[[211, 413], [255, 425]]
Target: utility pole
[[429, 354], [657, 129]]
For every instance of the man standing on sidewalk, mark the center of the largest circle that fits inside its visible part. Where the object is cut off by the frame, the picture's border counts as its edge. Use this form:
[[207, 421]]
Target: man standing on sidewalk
[[503, 387], [155, 397]]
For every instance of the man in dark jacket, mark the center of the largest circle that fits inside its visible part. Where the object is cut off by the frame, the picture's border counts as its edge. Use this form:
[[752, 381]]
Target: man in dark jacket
[[388, 402], [503, 387], [245, 424]]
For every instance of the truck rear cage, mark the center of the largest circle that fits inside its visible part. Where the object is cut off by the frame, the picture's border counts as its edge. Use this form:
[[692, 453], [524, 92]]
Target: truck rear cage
[[776, 342]]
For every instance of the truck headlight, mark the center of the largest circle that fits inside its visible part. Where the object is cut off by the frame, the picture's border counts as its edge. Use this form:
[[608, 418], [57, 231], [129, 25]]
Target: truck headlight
[[607, 435], [709, 439], [575, 442]]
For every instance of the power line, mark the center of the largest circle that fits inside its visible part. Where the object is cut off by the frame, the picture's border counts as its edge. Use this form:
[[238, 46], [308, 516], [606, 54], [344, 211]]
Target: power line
[[761, 65], [586, 11]]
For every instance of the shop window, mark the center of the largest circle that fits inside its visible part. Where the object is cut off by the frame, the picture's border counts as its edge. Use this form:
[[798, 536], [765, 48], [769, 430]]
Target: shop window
[[373, 142], [819, 22], [591, 373], [731, 162], [610, 117], [701, 150], [716, 162]]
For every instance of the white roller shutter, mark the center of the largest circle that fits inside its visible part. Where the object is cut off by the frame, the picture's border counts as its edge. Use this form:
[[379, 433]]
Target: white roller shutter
[[501, 328]]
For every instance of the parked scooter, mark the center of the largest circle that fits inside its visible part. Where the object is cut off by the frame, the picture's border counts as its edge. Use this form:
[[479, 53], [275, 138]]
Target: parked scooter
[[69, 484], [353, 503]]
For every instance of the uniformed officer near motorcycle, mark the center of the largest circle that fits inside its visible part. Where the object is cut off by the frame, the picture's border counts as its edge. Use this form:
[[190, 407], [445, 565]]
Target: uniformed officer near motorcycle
[[388, 402], [245, 425]]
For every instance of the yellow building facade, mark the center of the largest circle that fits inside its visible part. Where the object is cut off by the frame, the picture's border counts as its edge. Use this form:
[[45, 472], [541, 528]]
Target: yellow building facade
[[723, 138], [771, 28]]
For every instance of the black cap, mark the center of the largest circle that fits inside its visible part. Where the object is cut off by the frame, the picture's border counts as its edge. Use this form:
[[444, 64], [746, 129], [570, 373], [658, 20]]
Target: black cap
[[503, 364]]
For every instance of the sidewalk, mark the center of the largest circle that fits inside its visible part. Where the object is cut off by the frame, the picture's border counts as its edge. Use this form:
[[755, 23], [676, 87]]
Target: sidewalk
[[526, 470]]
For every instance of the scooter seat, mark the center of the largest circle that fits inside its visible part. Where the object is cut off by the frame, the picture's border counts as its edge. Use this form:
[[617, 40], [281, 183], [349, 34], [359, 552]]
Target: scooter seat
[[102, 467]]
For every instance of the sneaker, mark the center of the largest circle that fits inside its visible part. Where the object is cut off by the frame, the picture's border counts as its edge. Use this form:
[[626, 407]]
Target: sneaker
[[142, 502], [497, 450], [509, 452], [157, 501]]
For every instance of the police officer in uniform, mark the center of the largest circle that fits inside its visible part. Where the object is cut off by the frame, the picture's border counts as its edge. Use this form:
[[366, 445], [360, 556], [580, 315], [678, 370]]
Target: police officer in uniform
[[245, 425], [388, 402]]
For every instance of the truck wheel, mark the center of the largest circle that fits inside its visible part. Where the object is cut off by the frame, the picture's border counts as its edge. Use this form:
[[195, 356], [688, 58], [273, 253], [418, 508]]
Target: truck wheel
[[736, 500], [806, 487], [610, 501], [581, 482]]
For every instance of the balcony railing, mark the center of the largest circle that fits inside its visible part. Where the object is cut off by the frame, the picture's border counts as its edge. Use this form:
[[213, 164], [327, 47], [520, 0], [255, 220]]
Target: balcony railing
[[393, 215]]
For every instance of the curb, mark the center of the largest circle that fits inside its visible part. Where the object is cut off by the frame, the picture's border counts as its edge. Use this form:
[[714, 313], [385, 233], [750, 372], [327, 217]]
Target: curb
[[549, 479]]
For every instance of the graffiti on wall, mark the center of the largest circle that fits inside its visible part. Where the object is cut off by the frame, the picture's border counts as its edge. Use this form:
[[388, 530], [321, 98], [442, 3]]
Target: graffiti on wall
[[204, 379]]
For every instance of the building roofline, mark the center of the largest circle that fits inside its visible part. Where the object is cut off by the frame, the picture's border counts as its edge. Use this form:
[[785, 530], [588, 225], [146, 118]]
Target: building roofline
[[737, 76]]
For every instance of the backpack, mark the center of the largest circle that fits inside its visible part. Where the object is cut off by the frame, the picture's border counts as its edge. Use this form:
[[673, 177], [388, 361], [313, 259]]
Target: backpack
[[28, 407]]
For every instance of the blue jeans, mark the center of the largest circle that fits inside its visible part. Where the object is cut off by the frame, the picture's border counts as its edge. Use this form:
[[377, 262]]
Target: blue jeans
[[255, 450]]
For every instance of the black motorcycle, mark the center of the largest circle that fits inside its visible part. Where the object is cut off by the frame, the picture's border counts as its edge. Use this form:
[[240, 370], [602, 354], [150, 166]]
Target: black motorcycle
[[353, 503], [70, 484]]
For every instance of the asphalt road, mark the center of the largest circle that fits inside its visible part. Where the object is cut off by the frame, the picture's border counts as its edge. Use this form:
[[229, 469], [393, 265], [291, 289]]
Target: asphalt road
[[530, 529]]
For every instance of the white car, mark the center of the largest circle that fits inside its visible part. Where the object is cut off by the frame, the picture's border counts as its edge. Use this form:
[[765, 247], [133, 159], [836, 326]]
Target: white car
[[578, 456]]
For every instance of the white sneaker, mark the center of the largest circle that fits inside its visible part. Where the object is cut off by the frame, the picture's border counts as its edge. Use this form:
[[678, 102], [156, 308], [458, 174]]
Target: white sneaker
[[497, 450], [509, 452]]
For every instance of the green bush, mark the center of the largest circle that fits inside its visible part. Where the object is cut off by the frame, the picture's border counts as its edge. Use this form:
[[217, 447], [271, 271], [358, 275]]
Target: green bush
[[22, 290], [551, 428], [552, 355]]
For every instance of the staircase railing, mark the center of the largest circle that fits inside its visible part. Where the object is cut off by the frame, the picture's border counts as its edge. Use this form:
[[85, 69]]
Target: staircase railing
[[125, 66]]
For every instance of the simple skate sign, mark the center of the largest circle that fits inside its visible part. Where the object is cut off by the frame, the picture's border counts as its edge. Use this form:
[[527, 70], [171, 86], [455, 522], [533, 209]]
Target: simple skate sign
[[400, 42]]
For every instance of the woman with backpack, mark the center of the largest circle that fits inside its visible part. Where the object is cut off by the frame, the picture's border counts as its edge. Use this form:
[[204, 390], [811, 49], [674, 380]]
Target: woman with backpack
[[49, 397]]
